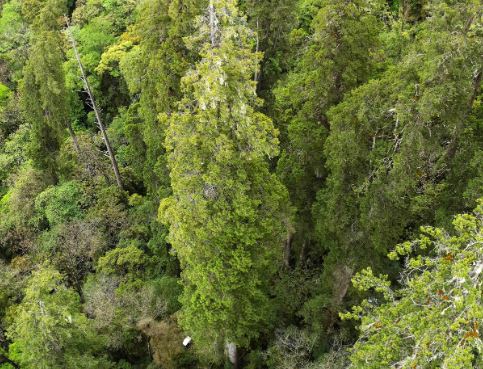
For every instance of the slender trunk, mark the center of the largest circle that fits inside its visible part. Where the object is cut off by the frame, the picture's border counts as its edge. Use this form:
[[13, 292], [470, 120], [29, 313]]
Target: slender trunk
[[325, 121], [255, 77], [102, 128], [303, 250]]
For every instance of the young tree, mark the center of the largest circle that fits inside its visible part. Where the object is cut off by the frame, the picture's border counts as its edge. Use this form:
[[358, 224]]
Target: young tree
[[433, 320], [227, 212]]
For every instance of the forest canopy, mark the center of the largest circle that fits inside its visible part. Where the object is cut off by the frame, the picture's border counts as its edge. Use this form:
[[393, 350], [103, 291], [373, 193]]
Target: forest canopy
[[270, 184]]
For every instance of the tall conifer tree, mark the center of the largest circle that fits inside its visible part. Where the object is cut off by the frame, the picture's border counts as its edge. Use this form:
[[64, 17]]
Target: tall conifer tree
[[162, 57], [227, 211], [43, 92], [397, 147], [340, 55]]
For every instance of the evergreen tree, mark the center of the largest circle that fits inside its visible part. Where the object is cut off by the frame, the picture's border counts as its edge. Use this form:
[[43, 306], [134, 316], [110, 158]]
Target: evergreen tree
[[272, 21], [376, 106], [43, 93], [340, 55], [227, 211], [160, 55], [433, 320], [397, 147]]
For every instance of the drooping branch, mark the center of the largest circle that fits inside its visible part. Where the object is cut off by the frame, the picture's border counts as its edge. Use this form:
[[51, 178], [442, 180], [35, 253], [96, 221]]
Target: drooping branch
[[92, 102]]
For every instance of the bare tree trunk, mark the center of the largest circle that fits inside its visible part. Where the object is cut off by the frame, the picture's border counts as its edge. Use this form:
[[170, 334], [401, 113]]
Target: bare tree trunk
[[213, 25], [94, 107], [255, 77], [232, 353]]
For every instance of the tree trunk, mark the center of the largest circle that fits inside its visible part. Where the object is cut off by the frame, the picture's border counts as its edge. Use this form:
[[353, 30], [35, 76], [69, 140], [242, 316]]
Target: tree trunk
[[102, 128], [303, 250], [232, 353], [214, 31], [288, 250]]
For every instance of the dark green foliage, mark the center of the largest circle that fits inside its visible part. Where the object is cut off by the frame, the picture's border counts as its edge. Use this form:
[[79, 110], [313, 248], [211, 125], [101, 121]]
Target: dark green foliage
[[273, 22], [341, 54], [42, 90], [271, 152], [157, 51], [396, 149]]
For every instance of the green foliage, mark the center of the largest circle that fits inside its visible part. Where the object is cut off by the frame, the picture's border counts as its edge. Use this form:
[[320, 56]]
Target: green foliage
[[13, 38], [96, 26], [341, 54], [125, 132], [12, 153], [61, 204], [121, 261], [5, 94], [396, 149], [12, 282], [48, 328], [433, 319], [162, 64], [375, 107], [122, 281], [42, 90], [19, 221], [273, 22], [427, 98], [227, 211]]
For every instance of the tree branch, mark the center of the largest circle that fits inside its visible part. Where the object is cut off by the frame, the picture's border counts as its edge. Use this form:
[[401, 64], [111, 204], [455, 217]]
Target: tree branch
[[5, 360]]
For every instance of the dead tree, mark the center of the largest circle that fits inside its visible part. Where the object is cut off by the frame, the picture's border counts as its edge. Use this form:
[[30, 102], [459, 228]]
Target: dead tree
[[94, 107]]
